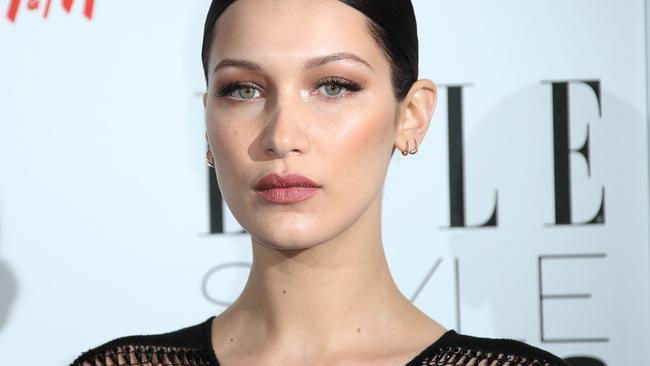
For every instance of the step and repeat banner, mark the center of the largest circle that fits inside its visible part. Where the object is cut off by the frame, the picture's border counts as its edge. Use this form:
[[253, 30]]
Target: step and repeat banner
[[528, 204]]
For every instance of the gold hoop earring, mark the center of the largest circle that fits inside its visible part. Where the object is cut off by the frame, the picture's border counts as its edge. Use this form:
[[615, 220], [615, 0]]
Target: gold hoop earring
[[416, 147], [406, 151], [209, 158]]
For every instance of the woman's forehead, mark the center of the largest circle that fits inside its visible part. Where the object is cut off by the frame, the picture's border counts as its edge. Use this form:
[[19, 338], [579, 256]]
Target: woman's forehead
[[291, 31]]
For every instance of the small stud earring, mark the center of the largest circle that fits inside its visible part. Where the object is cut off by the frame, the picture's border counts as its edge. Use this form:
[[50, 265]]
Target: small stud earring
[[209, 158]]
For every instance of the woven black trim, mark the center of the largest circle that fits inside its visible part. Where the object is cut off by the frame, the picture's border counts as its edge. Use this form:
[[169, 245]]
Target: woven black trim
[[458, 349], [190, 338]]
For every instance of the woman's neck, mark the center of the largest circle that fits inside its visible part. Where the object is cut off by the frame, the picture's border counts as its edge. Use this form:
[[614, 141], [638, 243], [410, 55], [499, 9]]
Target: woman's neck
[[332, 297]]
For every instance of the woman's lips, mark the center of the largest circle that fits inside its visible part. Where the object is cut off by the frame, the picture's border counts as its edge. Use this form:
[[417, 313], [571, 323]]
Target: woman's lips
[[288, 188], [288, 195]]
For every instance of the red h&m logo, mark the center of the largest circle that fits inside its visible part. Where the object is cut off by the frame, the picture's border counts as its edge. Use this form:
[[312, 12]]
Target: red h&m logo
[[33, 5]]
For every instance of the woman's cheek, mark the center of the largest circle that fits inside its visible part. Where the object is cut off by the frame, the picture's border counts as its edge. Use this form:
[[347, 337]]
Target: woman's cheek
[[229, 121], [229, 144], [360, 142], [366, 124]]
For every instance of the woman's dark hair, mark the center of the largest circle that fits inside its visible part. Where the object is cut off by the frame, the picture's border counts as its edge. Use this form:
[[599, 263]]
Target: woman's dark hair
[[391, 22]]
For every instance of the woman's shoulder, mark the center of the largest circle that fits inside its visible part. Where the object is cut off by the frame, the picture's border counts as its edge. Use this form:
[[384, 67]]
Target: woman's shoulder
[[186, 346], [460, 349]]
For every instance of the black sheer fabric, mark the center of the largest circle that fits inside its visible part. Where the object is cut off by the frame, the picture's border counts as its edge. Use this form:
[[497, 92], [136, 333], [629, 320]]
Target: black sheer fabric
[[192, 346]]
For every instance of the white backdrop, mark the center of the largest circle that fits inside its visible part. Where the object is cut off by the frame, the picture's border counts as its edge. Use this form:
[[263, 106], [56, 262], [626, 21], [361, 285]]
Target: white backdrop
[[104, 209]]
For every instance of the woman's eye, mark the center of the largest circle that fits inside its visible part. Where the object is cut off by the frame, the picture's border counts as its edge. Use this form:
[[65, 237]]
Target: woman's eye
[[246, 92], [239, 91], [337, 87], [332, 89]]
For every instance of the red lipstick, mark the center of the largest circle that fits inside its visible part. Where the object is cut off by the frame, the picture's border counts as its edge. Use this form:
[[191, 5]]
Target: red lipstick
[[285, 189]]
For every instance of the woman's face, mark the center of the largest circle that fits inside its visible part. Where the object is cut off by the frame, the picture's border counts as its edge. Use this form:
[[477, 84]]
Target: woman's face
[[291, 108]]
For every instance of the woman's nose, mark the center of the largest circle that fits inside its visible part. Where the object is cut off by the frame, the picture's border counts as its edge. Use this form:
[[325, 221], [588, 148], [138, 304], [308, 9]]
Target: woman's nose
[[285, 132]]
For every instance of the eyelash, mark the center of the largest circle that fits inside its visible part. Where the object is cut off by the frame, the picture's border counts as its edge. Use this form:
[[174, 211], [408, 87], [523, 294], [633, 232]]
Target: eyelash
[[350, 86]]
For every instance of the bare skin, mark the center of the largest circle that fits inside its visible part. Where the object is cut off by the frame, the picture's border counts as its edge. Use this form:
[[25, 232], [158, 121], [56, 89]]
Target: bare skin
[[320, 291]]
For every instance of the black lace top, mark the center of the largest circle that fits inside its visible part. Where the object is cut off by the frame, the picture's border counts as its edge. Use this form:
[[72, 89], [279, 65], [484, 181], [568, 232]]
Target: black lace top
[[193, 346]]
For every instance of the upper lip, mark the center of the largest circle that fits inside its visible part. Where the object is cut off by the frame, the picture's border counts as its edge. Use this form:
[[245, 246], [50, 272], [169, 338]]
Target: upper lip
[[275, 180]]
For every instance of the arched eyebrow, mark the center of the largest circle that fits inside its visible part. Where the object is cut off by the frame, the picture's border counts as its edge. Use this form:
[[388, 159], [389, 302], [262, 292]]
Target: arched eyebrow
[[310, 64]]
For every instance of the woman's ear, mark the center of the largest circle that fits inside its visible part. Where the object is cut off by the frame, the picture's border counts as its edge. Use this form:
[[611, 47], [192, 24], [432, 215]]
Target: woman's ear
[[415, 113], [205, 99]]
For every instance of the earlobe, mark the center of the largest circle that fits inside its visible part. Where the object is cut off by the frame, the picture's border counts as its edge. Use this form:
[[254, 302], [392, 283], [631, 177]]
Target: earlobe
[[205, 99], [209, 157]]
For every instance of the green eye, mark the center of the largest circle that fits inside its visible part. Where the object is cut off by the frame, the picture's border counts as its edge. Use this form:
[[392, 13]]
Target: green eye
[[337, 87], [246, 92], [239, 90], [332, 89]]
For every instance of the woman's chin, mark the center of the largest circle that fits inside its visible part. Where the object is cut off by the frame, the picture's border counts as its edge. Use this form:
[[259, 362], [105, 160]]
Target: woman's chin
[[292, 236]]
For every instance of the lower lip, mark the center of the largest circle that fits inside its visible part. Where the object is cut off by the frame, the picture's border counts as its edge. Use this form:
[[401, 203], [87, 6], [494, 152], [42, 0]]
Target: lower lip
[[288, 195]]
